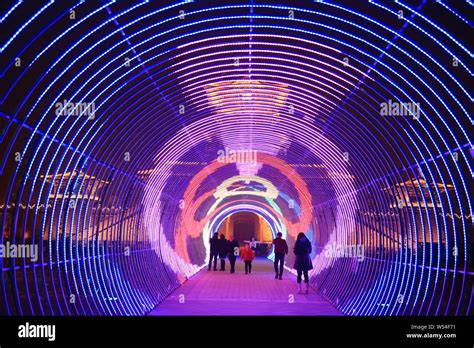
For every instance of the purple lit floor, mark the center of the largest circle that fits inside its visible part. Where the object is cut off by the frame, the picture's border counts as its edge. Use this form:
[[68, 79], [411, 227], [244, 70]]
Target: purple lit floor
[[222, 293]]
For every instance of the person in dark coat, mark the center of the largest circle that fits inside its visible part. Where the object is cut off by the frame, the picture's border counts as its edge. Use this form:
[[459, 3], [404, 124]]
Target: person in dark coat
[[223, 248], [233, 252], [214, 242], [303, 262], [281, 249]]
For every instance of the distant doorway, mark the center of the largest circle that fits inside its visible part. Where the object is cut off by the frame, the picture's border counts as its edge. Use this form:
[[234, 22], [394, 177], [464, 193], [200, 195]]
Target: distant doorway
[[245, 225]]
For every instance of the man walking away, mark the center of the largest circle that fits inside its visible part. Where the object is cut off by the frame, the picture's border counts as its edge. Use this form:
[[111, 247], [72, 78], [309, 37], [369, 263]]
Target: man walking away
[[214, 242], [234, 251], [281, 249], [222, 251]]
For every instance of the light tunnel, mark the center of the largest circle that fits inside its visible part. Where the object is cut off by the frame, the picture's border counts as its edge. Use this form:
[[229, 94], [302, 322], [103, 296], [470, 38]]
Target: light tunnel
[[131, 129]]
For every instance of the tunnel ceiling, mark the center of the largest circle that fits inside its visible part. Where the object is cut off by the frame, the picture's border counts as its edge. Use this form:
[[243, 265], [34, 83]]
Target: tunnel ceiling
[[130, 130]]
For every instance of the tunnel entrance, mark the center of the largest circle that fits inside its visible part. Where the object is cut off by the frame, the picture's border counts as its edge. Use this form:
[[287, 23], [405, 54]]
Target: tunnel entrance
[[247, 225]]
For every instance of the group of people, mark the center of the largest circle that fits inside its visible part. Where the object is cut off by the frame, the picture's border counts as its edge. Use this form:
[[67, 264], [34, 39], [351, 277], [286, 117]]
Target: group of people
[[222, 248]]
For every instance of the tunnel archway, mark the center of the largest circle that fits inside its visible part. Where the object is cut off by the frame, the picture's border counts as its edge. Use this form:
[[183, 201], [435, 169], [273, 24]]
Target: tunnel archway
[[245, 225], [129, 131]]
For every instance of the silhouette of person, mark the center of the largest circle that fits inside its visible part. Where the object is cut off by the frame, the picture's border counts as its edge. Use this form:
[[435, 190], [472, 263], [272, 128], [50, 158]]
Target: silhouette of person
[[222, 251], [234, 251], [253, 244], [303, 262], [281, 249], [214, 251]]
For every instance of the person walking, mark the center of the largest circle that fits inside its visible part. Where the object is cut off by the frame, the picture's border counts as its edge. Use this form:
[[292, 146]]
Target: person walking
[[281, 249], [253, 243], [214, 242], [222, 251], [234, 251], [303, 262], [247, 256]]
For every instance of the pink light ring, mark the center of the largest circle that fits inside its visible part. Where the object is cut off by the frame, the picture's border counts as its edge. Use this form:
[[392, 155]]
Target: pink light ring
[[268, 214], [305, 72], [197, 127]]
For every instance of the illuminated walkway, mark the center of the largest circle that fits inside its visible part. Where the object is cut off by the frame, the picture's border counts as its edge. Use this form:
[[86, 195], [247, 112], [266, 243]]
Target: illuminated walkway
[[219, 293]]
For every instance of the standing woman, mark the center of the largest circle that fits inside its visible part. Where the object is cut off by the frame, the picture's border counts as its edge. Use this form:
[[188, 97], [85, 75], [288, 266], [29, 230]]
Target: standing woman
[[302, 260]]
